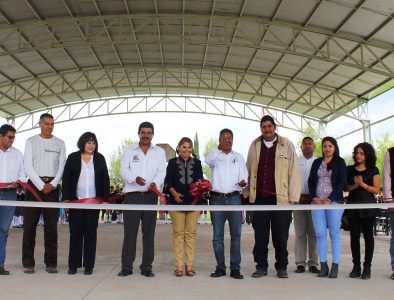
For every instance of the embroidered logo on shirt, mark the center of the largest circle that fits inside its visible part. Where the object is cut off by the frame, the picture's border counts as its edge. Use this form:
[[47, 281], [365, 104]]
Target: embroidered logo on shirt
[[136, 158], [185, 169]]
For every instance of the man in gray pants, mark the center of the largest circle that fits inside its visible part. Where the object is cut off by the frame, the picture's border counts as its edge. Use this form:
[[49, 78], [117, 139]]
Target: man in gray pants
[[303, 226], [143, 168]]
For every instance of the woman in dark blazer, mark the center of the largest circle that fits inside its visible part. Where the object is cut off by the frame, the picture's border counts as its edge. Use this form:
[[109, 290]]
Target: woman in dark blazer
[[181, 172], [85, 176], [326, 183]]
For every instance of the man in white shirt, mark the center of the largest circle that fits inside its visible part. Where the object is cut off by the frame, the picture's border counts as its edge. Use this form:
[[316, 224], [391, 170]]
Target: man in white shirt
[[303, 226], [45, 156], [388, 187], [11, 171], [143, 168], [229, 176]]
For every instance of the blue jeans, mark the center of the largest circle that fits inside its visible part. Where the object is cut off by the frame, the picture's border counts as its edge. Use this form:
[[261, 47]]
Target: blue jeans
[[235, 223], [331, 219], [6, 215], [392, 240]]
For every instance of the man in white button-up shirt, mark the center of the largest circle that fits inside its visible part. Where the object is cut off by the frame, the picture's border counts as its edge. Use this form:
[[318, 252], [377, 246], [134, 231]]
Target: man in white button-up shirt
[[303, 226], [229, 176], [388, 188], [143, 168], [44, 157], [11, 170]]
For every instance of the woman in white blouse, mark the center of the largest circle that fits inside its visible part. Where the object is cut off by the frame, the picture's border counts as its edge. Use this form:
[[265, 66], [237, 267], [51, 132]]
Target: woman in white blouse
[[85, 176]]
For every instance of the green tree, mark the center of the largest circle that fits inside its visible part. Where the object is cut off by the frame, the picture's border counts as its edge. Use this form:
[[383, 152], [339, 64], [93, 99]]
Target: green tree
[[196, 146], [381, 146], [114, 162], [311, 132], [211, 144]]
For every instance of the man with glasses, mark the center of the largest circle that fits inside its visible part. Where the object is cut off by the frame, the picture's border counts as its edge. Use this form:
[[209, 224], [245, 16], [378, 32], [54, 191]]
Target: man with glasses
[[45, 156], [11, 173]]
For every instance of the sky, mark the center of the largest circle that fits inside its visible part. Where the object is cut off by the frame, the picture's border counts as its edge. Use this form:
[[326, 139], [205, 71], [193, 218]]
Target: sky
[[171, 127]]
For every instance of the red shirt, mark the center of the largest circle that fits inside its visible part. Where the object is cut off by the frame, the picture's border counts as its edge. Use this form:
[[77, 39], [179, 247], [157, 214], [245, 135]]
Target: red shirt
[[266, 172]]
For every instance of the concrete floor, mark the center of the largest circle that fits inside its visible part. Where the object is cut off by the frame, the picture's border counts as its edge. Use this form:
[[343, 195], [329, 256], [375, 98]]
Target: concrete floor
[[105, 284]]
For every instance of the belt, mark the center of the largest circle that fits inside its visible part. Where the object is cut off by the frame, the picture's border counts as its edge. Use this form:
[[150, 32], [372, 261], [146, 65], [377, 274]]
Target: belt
[[305, 199], [46, 179], [224, 195], [6, 190]]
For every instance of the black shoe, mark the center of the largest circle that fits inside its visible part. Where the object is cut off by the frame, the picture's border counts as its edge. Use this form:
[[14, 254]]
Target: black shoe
[[334, 271], [392, 276], [313, 270], [147, 273], [218, 273], [300, 269], [366, 273], [323, 270], [71, 271], [236, 274], [88, 271], [124, 273], [51, 270], [356, 272], [28, 270], [260, 273], [282, 274]]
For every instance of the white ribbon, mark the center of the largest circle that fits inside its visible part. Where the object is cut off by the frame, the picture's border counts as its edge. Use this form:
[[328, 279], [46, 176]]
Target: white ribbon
[[193, 207]]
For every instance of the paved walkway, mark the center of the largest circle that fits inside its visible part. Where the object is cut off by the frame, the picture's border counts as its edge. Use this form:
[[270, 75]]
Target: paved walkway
[[104, 284]]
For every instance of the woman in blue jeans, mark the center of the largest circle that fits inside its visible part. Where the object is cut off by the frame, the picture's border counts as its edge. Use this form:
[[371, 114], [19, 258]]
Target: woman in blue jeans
[[326, 182]]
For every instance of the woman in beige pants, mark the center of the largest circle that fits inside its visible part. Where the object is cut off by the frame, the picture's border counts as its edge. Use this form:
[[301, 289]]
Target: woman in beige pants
[[181, 171]]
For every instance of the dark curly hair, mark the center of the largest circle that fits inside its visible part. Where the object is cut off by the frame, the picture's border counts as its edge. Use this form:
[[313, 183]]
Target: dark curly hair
[[369, 152]]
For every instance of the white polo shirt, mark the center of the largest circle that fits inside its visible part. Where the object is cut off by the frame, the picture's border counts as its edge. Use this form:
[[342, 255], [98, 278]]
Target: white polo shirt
[[305, 165], [11, 166], [227, 170]]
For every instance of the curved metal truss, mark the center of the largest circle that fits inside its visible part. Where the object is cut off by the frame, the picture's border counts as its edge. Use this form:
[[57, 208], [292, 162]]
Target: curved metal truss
[[165, 103], [314, 100]]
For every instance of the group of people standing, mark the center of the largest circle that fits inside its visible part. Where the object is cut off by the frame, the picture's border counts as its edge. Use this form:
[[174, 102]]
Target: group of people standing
[[271, 175], [323, 182]]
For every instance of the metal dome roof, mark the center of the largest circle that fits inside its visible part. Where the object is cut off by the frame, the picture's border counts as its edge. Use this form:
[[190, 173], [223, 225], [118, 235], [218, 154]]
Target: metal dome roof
[[319, 59]]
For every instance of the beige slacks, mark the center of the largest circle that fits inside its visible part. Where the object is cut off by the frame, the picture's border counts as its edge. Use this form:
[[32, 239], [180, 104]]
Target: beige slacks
[[305, 238], [184, 226]]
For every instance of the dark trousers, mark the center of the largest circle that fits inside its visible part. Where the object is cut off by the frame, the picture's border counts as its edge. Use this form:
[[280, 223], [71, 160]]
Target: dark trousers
[[365, 225], [279, 223], [83, 237], [131, 222], [31, 218]]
